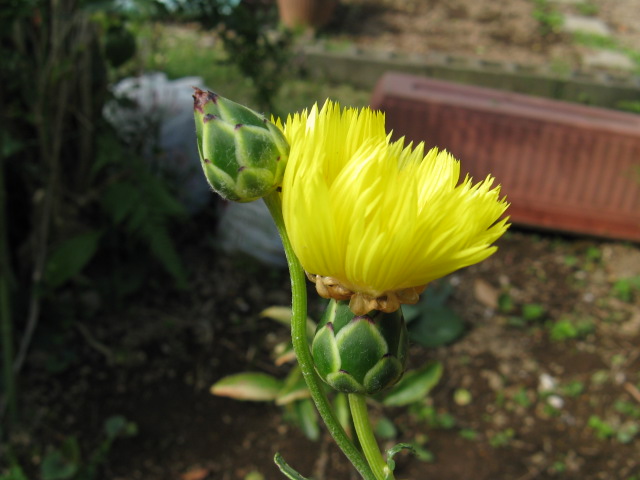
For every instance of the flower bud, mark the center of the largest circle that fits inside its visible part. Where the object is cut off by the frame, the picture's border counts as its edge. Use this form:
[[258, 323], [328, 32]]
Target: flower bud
[[243, 155], [360, 354]]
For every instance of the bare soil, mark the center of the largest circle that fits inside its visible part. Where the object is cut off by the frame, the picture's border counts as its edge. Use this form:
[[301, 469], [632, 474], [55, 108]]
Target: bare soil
[[533, 398], [493, 31]]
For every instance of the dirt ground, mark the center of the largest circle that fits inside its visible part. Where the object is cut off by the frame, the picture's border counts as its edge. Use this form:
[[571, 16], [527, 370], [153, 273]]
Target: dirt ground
[[492, 31], [543, 402]]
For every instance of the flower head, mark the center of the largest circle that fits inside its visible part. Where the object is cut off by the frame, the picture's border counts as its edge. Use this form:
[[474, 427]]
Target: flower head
[[242, 154], [375, 221]]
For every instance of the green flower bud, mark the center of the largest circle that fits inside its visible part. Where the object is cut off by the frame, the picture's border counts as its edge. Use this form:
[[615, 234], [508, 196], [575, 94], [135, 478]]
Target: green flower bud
[[360, 354], [243, 154]]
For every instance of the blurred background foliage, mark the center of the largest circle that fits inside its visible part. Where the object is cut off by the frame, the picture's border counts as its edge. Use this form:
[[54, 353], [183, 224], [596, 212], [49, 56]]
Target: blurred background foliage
[[88, 216], [90, 213]]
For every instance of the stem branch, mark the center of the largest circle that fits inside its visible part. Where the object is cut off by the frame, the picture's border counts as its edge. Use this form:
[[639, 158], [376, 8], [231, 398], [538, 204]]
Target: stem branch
[[301, 344], [360, 415]]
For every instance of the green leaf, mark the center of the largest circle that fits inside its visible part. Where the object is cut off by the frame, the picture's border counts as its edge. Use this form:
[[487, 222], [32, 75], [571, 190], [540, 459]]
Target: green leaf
[[307, 418], [414, 386], [163, 249], [393, 451], [61, 463], [119, 200], [435, 327], [70, 258], [295, 388], [385, 429], [251, 386], [286, 470], [383, 374], [283, 315], [114, 425], [344, 382]]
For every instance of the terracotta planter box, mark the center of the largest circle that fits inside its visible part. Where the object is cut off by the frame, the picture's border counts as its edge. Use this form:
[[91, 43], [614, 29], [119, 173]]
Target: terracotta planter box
[[562, 166]]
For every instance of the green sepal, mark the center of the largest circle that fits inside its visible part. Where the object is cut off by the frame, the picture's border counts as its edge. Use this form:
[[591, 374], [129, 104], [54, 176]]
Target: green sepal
[[220, 181], [360, 346], [255, 146], [235, 113], [219, 146], [251, 183], [384, 374], [344, 382], [325, 351], [361, 354]]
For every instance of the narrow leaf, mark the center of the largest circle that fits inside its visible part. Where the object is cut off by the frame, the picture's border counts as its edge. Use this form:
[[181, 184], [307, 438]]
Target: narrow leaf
[[415, 385], [70, 258], [251, 386]]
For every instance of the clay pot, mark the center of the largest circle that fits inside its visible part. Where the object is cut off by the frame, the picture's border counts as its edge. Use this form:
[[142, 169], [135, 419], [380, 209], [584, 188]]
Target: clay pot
[[304, 14]]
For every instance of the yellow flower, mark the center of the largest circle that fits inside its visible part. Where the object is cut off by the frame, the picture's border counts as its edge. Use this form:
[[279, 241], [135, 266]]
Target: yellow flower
[[374, 221]]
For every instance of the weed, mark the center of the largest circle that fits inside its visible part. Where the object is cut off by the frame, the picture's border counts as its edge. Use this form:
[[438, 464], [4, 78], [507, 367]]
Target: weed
[[574, 388], [605, 42], [548, 18], [569, 329], [521, 397], [625, 288], [502, 438], [468, 434], [558, 467], [593, 254], [505, 303], [627, 408], [532, 311], [434, 419], [602, 429]]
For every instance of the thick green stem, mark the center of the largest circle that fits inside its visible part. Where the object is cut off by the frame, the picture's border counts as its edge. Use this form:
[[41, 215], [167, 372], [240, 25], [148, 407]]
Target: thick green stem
[[358, 404], [301, 344]]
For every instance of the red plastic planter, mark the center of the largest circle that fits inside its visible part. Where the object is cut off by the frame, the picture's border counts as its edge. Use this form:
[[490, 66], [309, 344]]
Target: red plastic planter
[[562, 166]]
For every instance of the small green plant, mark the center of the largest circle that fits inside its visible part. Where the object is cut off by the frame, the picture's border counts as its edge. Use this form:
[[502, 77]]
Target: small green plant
[[431, 322], [434, 418], [505, 302], [502, 438], [627, 408], [533, 311], [558, 466], [549, 19], [594, 40], [570, 329], [468, 434], [626, 288], [521, 397], [602, 429], [65, 462], [574, 388]]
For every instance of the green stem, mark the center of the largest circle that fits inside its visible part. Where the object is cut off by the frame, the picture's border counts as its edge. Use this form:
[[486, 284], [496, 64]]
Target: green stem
[[301, 344], [360, 415]]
